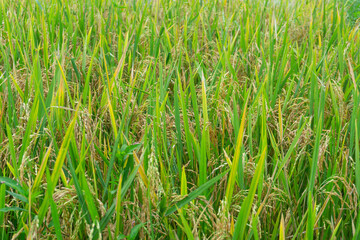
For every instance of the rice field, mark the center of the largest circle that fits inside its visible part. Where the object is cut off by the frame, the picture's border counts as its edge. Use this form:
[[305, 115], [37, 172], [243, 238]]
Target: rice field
[[179, 119]]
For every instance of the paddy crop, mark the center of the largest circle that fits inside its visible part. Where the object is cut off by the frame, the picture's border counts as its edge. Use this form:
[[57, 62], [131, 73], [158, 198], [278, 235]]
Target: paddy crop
[[179, 119]]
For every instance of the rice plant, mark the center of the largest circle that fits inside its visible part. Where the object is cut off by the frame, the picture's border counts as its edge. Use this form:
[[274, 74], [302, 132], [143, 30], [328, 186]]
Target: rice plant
[[179, 119]]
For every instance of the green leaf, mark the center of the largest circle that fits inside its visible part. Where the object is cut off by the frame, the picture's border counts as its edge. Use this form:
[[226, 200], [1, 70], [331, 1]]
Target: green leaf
[[12, 209], [12, 184], [244, 213], [134, 231], [58, 165], [194, 194]]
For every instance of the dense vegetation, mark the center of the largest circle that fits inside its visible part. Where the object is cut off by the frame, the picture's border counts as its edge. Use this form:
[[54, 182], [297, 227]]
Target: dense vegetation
[[179, 119]]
